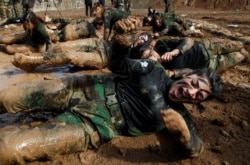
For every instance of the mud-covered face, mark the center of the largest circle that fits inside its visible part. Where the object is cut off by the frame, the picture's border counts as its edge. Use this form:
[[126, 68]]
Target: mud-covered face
[[27, 25], [97, 11], [190, 89], [158, 22], [143, 38]]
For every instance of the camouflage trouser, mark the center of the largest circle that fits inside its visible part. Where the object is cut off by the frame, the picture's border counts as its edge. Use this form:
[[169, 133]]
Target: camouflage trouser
[[86, 53], [168, 7], [84, 123], [223, 53], [18, 9], [6, 10], [77, 31]]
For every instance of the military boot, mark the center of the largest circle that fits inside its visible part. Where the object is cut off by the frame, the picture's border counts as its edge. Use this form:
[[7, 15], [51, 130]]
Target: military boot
[[29, 63]]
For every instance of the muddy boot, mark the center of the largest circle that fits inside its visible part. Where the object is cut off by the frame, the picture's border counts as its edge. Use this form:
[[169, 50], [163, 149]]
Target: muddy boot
[[180, 125], [29, 63], [45, 141]]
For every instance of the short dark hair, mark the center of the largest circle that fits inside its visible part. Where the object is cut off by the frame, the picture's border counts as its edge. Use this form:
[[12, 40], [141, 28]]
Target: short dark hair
[[214, 80], [136, 52], [30, 16]]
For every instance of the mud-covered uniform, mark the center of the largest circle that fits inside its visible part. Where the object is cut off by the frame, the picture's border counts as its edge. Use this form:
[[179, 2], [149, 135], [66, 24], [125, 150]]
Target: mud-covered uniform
[[18, 8], [168, 6], [111, 15], [216, 54], [94, 109], [6, 9], [75, 31], [173, 24]]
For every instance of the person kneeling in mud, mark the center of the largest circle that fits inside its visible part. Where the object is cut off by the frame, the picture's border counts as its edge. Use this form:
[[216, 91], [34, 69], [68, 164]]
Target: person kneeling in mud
[[96, 109], [34, 38], [89, 53]]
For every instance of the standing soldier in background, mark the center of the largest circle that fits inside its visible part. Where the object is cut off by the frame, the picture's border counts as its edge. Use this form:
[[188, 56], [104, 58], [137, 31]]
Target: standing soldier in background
[[127, 6], [102, 2], [28, 5], [18, 8], [168, 6], [6, 9], [119, 4], [88, 7]]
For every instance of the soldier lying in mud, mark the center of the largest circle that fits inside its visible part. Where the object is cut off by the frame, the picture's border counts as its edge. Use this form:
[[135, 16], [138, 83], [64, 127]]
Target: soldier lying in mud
[[174, 54], [78, 29], [96, 109], [89, 53]]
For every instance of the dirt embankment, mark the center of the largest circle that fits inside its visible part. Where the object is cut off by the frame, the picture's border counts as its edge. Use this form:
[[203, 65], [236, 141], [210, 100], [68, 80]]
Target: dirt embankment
[[208, 4]]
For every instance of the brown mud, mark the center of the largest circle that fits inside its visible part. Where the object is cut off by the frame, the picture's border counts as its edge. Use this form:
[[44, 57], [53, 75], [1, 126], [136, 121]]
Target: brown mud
[[223, 124]]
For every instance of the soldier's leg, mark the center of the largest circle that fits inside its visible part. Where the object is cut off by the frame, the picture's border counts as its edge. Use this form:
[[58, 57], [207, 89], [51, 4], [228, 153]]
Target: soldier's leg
[[39, 95], [89, 60], [19, 48], [88, 53], [181, 126], [224, 53], [222, 46], [18, 9], [10, 11], [12, 39], [3, 10], [29, 63], [66, 134], [77, 31]]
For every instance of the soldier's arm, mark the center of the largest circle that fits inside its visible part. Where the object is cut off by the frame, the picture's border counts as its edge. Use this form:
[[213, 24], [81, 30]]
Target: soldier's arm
[[168, 49]]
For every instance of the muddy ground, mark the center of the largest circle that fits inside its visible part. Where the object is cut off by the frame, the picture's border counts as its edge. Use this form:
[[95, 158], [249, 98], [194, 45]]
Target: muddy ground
[[223, 124]]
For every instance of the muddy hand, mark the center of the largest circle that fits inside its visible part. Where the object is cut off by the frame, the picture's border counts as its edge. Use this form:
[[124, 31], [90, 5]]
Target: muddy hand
[[176, 125]]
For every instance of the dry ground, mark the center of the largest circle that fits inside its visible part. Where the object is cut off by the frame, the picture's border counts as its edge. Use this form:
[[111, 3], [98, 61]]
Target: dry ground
[[223, 125]]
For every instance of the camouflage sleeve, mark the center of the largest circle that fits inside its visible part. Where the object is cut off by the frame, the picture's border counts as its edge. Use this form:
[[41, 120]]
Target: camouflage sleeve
[[185, 44], [165, 45], [107, 24]]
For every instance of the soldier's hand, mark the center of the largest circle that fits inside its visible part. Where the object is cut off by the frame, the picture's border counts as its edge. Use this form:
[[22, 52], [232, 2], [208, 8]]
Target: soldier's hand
[[126, 25], [168, 56]]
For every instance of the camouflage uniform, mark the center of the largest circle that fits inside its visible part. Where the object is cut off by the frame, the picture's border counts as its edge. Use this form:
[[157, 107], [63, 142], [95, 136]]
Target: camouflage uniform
[[95, 109], [74, 31], [88, 117], [224, 53], [89, 53], [111, 16], [174, 24], [18, 8], [119, 4], [6, 9], [127, 6], [217, 54], [168, 6]]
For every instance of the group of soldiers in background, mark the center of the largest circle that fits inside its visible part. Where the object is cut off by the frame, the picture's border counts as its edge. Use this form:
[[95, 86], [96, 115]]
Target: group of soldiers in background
[[15, 8]]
